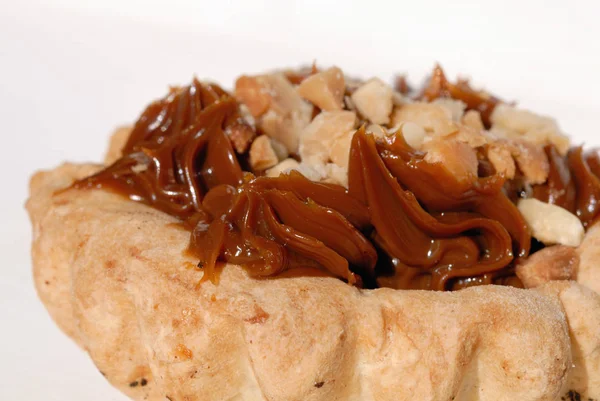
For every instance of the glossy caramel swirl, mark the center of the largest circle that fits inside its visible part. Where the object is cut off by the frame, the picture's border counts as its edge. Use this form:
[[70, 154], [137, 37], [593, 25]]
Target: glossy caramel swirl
[[440, 233], [402, 223], [573, 183]]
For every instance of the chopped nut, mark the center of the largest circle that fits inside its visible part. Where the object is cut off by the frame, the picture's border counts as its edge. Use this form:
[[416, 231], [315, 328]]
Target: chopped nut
[[324, 89], [284, 98], [502, 160], [241, 136], [471, 136], [262, 155], [432, 117], [457, 157], [286, 113], [556, 262], [280, 149], [284, 129], [317, 138], [247, 116], [253, 93], [314, 172], [455, 107], [413, 134], [532, 127], [445, 128], [374, 101], [376, 130], [283, 167], [532, 161], [551, 224], [472, 118], [339, 152], [336, 175]]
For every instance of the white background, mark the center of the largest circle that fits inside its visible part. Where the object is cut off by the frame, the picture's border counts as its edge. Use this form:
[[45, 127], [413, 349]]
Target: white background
[[71, 70]]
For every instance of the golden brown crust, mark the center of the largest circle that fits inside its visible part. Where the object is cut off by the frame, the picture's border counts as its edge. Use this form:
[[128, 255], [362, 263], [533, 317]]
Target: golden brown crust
[[130, 299]]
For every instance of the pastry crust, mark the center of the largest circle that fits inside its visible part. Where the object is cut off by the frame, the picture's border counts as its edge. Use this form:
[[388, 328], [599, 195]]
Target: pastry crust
[[115, 277]]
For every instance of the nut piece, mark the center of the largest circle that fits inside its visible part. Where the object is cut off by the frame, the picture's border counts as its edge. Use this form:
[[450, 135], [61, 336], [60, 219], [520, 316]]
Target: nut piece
[[241, 136], [455, 107], [317, 138], [556, 262], [413, 134], [288, 115], [262, 154], [339, 152], [280, 149], [457, 157], [471, 136], [374, 101], [432, 117], [472, 118], [532, 161], [254, 94], [336, 175], [314, 172], [283, 167], [283, 113], [377, 131], [530, 126], [551, 224], [324, 89], [502, 160]]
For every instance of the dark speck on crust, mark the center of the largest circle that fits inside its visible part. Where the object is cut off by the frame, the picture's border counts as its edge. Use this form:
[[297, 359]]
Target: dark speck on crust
[[319, 384], [143, 382], [573, 396], [133, 384], [47, 282]]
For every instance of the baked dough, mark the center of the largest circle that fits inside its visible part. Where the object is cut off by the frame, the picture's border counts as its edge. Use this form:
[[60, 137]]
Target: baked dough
[[114, 276]]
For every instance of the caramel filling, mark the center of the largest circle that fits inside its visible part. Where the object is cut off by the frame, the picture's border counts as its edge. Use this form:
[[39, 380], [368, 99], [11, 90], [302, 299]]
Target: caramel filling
[[403, 222]]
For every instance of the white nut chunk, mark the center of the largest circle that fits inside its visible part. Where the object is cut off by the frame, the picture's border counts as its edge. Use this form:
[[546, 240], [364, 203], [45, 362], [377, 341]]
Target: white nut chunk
[[284, 167], [262, 154], [434, 118], [318, 137], [537, 129], [280, 111], [557, 262], [551, 224], [374, 101], [324, 89], [413, 134]]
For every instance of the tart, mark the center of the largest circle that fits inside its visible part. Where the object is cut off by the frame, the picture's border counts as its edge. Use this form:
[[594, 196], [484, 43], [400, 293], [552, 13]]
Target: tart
[[310, 236]]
